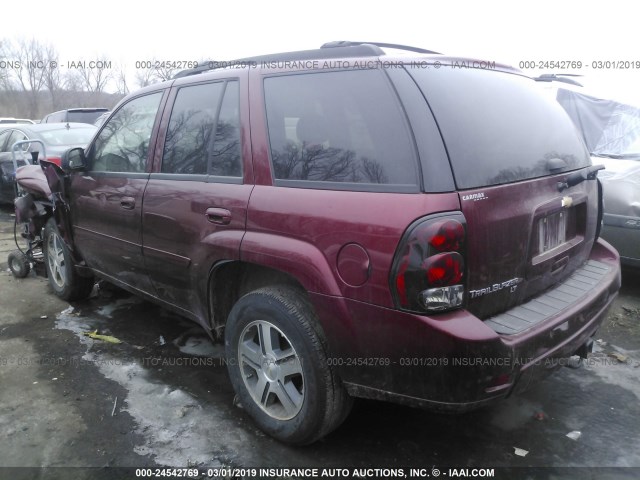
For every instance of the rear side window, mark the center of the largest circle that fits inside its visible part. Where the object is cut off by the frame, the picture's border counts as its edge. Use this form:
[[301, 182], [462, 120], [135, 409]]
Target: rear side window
[[339, 130], [56, 117], [498, 127], [203, 136]]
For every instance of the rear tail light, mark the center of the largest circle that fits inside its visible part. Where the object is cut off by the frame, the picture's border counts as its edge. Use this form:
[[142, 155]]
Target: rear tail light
[[428, 270], [54, 159]]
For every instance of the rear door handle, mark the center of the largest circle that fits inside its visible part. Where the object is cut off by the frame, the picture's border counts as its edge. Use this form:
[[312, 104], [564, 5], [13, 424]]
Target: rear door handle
[[128, 203], [221, 216]]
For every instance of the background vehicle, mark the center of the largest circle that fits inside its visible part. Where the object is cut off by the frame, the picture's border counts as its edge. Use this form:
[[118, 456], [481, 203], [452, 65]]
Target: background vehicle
[[15, 120], [57, 138], [101, 119], [377, 227], [611, 131], [78, 115]]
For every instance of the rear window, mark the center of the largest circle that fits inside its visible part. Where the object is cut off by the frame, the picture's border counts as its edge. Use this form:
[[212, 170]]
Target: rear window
[[339, 130], [499, 127], [84, 117]]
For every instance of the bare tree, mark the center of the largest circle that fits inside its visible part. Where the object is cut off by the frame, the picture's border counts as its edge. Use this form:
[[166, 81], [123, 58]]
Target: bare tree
[[4, 75], [96, 75], [120, 79], [28, 70], [164, 72], [145, 77], [158, 71], [52, 78]]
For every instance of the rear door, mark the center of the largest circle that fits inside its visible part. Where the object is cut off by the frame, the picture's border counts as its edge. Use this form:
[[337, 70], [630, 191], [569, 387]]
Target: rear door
[[195, 205], [509, 147], [106, 200]]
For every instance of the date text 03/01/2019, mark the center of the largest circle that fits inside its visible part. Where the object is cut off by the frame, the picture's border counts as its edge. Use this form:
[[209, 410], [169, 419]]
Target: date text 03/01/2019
[[579, 64]]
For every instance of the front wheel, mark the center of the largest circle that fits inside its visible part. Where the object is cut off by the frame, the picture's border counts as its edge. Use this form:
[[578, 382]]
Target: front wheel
[[277, 361], [19, 264], [63, 278]]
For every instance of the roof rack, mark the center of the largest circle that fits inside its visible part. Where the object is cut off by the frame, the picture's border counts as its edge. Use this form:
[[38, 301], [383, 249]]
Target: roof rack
[[339, 49], [346, 43], [559, 77], [318, 54]]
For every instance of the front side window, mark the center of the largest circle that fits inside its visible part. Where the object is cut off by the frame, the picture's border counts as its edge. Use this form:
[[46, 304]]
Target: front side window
[[123, 143], [203, 136], [4, 136], [339, 127]]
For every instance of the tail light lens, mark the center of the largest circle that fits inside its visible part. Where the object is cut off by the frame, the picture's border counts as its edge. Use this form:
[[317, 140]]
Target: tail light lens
[[428, 270], [54, 159]]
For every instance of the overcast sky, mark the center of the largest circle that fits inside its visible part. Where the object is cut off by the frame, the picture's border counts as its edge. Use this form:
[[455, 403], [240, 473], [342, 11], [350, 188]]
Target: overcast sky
[[510, 32]]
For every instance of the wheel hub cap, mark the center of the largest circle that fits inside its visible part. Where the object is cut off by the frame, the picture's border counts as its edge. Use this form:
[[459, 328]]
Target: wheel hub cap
[[271, 370]]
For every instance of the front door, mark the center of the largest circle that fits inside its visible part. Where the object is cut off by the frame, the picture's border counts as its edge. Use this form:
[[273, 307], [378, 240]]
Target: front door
[[106, 199]]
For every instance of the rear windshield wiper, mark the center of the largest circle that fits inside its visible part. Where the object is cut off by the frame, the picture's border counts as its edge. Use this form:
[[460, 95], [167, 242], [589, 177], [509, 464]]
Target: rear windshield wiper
[[578, 177], [559, 77]]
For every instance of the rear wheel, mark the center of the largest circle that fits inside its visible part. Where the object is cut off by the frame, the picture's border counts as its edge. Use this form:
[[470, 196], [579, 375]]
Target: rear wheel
[[278, 366], [63, 278], [18, 264]]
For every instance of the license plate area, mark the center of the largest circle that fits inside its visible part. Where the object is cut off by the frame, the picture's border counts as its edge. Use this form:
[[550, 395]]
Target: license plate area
[[556, 233], [552, 230]]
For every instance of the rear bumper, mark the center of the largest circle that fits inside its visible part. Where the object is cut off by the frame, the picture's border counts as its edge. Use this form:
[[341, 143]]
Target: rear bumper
[[455, 361]]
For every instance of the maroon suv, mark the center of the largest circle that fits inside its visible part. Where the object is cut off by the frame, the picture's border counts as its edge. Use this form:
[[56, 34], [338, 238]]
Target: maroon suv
[[419, 229]]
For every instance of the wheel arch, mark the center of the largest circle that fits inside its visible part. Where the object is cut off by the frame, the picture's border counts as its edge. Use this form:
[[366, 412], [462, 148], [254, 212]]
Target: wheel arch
[[230, 280]]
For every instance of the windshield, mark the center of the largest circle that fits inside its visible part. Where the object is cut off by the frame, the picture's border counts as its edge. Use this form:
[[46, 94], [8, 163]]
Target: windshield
[[68, 137]]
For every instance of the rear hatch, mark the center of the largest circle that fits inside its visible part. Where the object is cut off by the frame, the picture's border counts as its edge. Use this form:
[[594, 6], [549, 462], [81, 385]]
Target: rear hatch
[[509, 147]]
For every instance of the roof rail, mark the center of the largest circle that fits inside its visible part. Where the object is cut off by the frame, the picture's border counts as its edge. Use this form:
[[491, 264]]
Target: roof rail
[[346, 51], [346, 43]]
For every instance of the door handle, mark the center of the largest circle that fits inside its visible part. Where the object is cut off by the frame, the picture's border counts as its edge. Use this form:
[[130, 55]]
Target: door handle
[[559, 265], [221, 216], [128, 203]]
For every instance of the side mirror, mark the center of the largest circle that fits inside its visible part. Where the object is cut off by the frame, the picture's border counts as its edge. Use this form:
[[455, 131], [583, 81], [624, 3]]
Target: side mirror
[[73, 160]]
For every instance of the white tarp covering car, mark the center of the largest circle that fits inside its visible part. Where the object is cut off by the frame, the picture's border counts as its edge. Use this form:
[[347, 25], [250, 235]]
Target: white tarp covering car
[[611, 131]]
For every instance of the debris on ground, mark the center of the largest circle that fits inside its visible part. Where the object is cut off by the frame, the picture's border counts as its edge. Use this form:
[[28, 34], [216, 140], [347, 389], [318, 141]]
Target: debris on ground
[[105, 338], [520, 452], [43, 317], [540, 416], [619, 357], [162, 341], [575, 435]]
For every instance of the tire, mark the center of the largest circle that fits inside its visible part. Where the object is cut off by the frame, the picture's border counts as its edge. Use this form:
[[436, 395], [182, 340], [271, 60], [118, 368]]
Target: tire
[[63, 278], [290, 390], [18, 264]]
